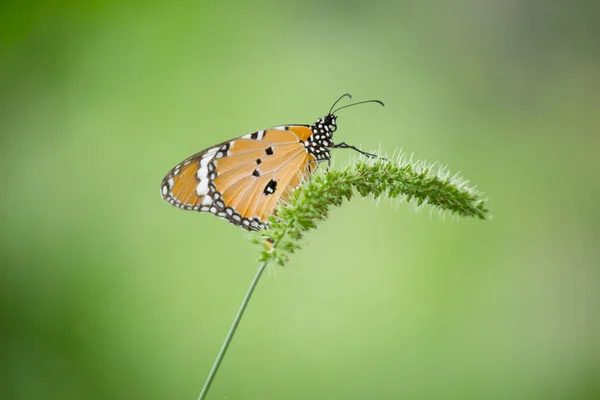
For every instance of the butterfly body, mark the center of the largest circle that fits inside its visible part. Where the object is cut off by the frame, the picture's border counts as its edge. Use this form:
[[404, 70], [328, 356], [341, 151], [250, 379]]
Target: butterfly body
[[244, 179]]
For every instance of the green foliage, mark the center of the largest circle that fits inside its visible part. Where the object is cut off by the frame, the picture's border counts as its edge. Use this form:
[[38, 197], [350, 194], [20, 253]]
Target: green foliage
[[380, 178]]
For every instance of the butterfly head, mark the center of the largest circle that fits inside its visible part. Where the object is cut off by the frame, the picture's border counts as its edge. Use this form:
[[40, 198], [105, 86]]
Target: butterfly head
[[325, 126], [320, 141], [329, 121]]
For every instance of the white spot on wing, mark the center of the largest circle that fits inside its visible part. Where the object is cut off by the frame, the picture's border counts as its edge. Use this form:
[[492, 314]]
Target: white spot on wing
[[207, 201], [210, 153], [202, 188], [202, 174], [164, 190]]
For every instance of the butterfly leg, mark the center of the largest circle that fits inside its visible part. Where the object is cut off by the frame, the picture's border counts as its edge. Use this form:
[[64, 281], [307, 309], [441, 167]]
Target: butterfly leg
[[343, 145]]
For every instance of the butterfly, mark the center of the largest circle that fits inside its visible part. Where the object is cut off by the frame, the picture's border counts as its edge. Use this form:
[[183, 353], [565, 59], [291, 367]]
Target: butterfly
[[244, 179]]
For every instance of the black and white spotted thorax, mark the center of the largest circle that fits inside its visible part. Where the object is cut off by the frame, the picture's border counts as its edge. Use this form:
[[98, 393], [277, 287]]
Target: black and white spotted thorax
[[319, 143]]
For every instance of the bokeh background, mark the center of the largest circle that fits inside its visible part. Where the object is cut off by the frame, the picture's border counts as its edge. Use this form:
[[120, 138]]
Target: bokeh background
[[107, 292]]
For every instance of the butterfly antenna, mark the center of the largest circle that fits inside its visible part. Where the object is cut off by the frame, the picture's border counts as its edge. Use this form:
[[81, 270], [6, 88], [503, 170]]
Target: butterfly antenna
[[355, 104], [338, 100]]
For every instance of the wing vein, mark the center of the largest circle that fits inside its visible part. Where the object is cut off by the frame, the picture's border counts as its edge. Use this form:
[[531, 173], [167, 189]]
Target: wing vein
[[274, 175]]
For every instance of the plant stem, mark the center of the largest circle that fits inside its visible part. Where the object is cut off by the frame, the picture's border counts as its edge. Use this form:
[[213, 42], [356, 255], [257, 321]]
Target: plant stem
[[234, 325]]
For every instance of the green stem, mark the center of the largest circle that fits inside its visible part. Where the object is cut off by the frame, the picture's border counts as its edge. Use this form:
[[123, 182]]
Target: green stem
[[234, 325]]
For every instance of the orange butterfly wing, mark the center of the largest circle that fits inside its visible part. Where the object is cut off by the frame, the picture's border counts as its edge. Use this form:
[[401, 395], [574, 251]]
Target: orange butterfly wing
[[244, 179]]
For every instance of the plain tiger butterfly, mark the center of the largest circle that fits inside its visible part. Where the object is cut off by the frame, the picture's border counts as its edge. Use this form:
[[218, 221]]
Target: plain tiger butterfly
[[243, 179]]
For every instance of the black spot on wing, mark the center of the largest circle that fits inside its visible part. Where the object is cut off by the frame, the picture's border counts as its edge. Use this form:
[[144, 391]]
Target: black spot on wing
[[270, 187]]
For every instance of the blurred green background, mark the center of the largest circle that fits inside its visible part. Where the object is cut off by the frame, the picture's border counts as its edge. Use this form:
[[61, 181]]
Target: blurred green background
[[107, 292]]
